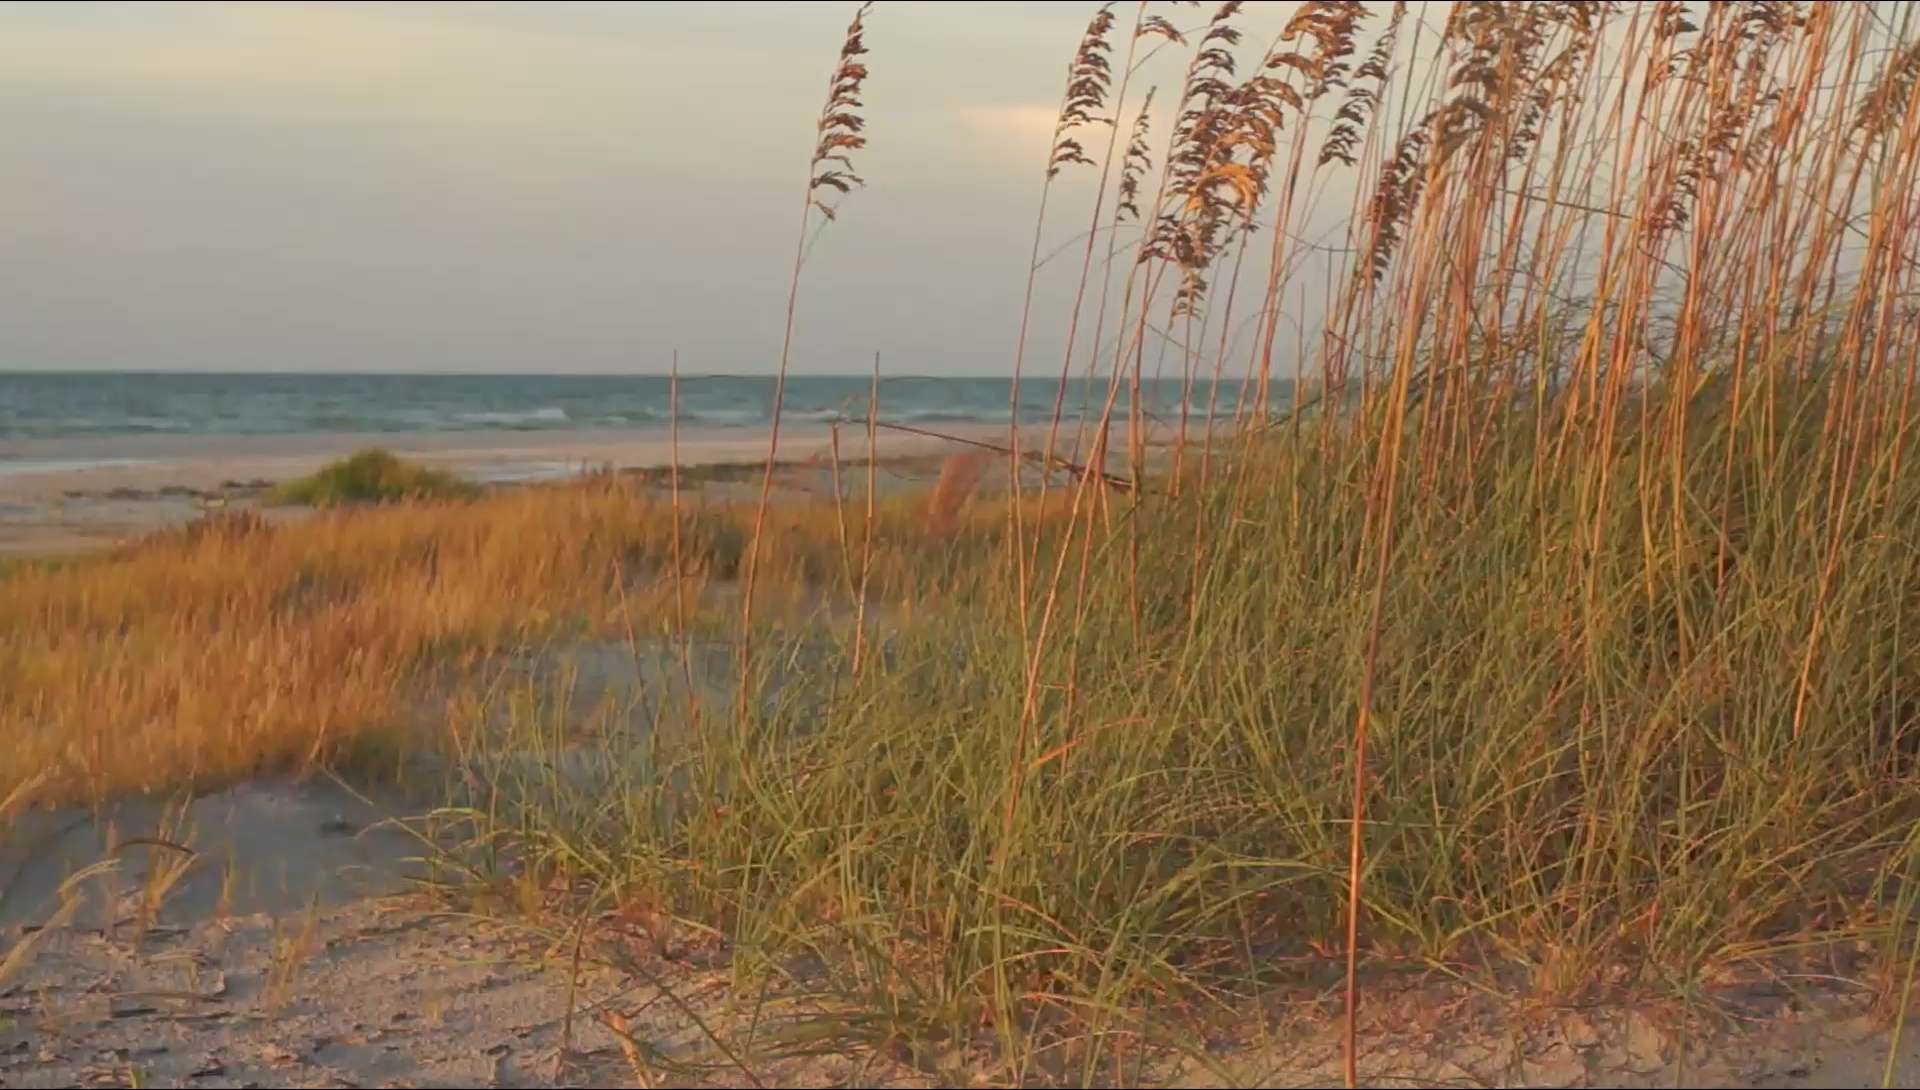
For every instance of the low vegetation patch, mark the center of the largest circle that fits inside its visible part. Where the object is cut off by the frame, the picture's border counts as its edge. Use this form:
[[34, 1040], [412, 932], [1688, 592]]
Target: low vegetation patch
[[372, 476], [233, 647]]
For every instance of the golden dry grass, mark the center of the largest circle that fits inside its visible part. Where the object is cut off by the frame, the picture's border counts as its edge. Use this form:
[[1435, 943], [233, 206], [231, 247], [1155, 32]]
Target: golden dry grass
[[960, 477], [231, 648]]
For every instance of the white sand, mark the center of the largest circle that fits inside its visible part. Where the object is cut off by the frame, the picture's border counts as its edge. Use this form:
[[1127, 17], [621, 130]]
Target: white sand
[[43, 469], [74, 494], [393, 992], [367, 994]]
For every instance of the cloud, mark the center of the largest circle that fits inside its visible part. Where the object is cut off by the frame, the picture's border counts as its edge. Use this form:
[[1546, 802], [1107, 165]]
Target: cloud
[[504, 186], [1019, 132], [1025, 120]]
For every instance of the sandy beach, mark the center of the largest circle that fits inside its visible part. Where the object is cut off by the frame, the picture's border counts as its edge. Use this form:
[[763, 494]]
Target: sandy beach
[[235, 971], [67, 495]]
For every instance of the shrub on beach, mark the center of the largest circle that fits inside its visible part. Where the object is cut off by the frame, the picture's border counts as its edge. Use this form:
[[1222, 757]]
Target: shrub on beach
[[373, 476]]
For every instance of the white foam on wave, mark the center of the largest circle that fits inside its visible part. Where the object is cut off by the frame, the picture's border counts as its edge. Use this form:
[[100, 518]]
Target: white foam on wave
[[723, 417], [153, 423], [533, 416]]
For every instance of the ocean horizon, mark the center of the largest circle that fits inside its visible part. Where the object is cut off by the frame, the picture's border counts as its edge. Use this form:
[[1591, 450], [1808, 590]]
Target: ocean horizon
[[79, 404]]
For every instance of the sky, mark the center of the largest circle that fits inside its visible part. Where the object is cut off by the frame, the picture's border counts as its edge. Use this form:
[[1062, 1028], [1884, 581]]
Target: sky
[[556, 186], [512, 187]]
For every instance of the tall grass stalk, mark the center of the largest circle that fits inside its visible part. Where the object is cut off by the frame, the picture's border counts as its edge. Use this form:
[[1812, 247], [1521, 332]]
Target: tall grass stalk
[[830, 174]]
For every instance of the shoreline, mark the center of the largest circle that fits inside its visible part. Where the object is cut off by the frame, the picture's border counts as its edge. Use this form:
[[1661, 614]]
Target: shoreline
[[42, 468], [75, 495]]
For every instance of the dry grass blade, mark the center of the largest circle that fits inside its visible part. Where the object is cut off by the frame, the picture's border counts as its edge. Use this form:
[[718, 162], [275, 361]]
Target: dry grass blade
[[1089, 79], [960, 477], [1138, 159], [830, 172], [290, 951], [840, 123], [21, 954], [616, 1024]]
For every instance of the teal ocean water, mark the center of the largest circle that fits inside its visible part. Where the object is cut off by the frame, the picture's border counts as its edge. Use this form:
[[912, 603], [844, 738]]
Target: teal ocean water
[[80, 404]]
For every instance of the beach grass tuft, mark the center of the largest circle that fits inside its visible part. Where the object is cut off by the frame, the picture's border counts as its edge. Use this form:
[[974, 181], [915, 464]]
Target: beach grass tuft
[[372, 476]]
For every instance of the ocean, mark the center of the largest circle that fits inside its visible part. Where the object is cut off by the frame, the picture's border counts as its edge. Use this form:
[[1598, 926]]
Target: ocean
[[35, 405]]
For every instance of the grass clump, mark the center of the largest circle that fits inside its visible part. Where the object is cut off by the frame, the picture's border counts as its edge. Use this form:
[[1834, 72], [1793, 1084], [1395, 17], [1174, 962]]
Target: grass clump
[[1598, 759], [233, 647], [373, 476]]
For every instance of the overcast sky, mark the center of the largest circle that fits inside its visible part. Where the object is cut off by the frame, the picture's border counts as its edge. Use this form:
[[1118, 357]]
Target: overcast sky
[[553, 186], [510, 187]]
